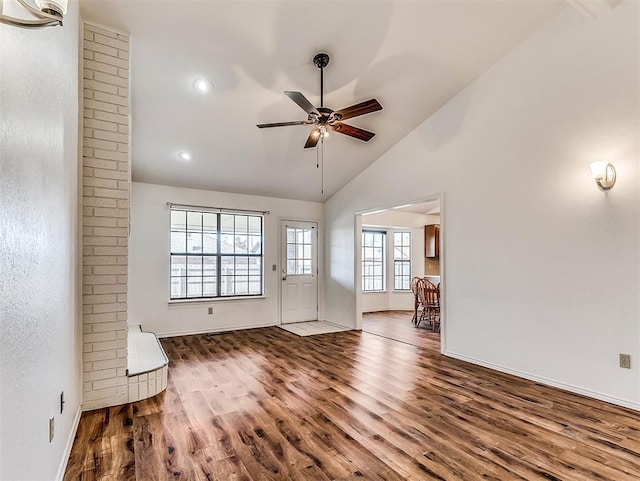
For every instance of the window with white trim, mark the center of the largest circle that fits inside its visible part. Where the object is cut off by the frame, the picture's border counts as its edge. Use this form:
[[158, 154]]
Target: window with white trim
[[215, 254], [402, 261], [373, 260]]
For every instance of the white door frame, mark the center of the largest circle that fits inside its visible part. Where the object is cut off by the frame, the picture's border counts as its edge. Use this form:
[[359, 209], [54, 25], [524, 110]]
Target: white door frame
[[283, 260], [443, 253]]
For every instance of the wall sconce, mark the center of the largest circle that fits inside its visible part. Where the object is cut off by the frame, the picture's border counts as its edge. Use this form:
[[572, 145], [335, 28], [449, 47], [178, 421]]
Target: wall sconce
[[50, 14], [603, 173]]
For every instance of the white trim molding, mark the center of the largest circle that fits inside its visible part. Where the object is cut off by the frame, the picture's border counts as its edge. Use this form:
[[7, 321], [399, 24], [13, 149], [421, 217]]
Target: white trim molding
[[67, 449]]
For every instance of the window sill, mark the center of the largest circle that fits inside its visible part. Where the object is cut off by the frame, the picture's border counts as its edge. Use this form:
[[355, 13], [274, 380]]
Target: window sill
[[177, 302], [403, 291], [375, 292]]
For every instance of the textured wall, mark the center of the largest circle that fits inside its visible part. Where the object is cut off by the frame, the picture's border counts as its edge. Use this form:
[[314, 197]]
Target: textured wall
[[39, 338], [540, 268], [105, 216]]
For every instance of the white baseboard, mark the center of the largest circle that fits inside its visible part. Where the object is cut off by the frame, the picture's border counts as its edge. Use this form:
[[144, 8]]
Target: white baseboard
[[549, 382], [69, 445], [212, 330]]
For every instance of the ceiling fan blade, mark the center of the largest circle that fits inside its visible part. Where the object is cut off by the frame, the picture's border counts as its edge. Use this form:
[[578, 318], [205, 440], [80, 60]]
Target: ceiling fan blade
[[359, 109], [302, 101], [313, 138], [352, 131], [283, 124]]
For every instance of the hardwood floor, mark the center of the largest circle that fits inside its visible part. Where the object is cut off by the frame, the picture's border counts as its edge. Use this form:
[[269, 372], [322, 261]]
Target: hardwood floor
[[263, 404], [397, 325]]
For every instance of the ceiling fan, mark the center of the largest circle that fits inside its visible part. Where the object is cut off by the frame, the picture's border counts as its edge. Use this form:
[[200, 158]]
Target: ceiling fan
[[323, 118]]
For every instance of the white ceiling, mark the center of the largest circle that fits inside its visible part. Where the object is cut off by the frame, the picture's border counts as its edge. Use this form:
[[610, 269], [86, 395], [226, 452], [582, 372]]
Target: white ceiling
[[413, 56]]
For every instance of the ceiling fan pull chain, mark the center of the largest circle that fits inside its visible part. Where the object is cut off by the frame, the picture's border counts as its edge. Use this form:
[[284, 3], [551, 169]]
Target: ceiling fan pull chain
[[322, 167]]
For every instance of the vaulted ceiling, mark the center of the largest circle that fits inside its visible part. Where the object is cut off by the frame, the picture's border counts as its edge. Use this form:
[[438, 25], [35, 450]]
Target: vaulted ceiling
[[413, 56]]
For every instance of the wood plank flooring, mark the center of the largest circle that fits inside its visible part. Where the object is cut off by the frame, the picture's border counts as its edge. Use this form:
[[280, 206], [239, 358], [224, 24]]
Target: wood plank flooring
[[264, 404], [397, 325]]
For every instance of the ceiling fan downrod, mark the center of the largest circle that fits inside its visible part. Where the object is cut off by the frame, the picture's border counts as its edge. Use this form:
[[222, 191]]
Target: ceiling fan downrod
[[321, 60]]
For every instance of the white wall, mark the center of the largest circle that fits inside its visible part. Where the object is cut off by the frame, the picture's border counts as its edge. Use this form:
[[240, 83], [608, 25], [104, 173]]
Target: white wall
[[541, 269], [149, 262], [39, 338]]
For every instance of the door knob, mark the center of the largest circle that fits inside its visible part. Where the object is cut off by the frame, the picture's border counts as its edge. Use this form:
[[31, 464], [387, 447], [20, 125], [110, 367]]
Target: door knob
[[284, 278]]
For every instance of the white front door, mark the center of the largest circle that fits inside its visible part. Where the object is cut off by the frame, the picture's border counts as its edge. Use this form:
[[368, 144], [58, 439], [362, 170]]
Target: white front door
[[299, 293]]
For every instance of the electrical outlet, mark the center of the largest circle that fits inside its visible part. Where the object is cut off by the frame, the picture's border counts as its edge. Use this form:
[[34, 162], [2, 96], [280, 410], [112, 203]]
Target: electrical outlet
[[625, 361], [210, 310], [51, 423]]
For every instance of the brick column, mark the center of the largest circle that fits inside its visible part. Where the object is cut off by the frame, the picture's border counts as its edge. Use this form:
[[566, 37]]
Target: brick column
[[105, 220]]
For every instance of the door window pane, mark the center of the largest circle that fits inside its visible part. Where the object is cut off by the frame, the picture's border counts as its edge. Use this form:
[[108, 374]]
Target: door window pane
[[299, 251]]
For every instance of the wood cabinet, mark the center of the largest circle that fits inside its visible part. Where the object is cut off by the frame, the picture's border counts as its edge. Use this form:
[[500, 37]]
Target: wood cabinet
[[432, 241]]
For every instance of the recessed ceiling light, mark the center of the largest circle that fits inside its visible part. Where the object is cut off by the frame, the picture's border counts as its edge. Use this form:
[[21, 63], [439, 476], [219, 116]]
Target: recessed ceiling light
[[185, 156], [202, 85]]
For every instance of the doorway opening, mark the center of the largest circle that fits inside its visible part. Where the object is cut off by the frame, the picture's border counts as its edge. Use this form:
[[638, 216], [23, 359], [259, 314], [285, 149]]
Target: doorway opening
[[395, 245]]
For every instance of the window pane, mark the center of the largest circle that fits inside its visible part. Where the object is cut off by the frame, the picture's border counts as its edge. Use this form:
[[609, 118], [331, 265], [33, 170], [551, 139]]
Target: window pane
[[255, 285], [306, 267], [194, 286], [209, 286], [178, 287], [255, 245], [178, 242], [241, 244], [226, 288], [307, 252], [194, 266], [210, 243], [367, 239], [241, 224], [255, 225], [178, 266], [255, 266], [291, 251], [178, 220], [307, 236], [194, 221], [291, 267], [209, 266], [291, 235], [209, 223], [194, 242], [227, 243], [226, 223]]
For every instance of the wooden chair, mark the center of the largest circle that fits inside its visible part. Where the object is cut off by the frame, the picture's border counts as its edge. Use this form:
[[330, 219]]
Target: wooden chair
[[416, 303], [429, 299]]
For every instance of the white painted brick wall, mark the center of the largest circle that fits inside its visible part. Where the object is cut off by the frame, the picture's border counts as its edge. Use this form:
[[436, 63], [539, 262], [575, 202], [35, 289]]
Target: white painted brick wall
[[105, 222]]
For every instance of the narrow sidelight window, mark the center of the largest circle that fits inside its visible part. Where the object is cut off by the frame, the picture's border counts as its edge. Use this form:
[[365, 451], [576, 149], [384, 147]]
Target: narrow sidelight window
[[373, 261]]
